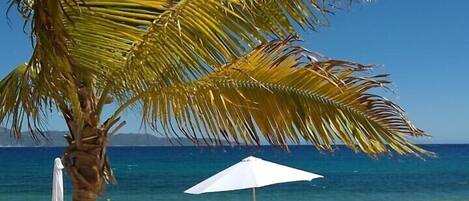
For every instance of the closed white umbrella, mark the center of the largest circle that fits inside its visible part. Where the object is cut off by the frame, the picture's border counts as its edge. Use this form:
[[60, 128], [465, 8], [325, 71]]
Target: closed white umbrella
[[252, 173], [57, 181]]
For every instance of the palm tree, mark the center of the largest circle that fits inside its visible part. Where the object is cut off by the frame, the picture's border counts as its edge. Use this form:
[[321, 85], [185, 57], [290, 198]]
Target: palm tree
[[207, 70]]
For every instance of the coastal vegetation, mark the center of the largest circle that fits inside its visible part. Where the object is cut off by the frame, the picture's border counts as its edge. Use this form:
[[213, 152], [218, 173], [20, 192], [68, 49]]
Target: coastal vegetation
[[206, 70]]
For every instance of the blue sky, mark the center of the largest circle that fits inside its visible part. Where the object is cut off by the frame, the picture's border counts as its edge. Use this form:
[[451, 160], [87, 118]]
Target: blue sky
[[424, 45]]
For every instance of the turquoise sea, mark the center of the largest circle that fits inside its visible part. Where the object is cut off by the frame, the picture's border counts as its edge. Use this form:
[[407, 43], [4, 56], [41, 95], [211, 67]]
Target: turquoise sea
[[163, 173]]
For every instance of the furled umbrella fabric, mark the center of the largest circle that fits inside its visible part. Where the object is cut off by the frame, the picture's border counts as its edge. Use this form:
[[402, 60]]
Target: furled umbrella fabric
[[57, 181], [252, 173]]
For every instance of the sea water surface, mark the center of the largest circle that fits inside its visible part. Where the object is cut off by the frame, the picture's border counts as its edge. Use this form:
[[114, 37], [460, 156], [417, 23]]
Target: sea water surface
[[163, 173]]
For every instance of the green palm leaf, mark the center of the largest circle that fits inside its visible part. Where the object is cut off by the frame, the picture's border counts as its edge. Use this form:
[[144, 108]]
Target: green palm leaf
[[281, 93], [186, 42], [124, 46], [79, 43], [22, 101]]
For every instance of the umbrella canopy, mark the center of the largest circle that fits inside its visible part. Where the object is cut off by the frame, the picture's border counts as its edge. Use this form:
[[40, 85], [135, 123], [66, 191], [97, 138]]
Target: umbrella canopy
[[251, 172], [57, 181]]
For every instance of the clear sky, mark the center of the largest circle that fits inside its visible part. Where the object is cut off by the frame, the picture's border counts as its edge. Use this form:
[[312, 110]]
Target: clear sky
[[424, 45]]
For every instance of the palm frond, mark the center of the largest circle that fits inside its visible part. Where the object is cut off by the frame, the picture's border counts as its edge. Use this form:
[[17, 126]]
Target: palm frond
[[185, 42], [124, 46], [22, 102], [284, 94], [79, 42], [89, 38]]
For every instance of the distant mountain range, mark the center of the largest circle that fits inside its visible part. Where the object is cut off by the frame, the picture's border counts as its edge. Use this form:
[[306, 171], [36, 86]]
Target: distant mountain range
[[56, 139]]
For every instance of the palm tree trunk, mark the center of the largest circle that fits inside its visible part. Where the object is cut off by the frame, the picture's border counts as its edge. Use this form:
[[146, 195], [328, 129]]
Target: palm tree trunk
[[85, 159], [87, 164]]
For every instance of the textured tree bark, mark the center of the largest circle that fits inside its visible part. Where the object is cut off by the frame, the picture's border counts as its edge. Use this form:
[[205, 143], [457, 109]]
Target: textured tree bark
[[84, 164], [88, 165], [85, 159]]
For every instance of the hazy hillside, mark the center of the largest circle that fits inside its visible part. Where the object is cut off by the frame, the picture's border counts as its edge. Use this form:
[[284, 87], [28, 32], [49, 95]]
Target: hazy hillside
[[55, 138]]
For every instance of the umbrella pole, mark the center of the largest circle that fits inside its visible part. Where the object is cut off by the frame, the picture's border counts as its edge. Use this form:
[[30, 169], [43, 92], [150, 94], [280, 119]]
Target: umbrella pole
[[253, 194]]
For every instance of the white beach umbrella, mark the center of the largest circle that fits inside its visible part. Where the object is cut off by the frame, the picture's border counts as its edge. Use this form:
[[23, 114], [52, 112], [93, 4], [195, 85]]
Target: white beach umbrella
[[252, 173], [57, 181]]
